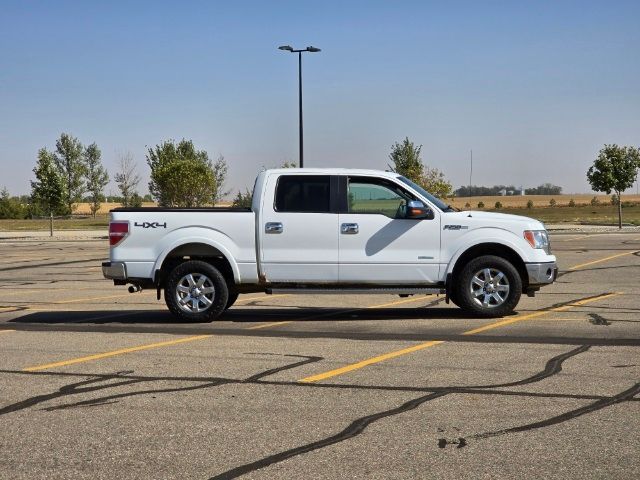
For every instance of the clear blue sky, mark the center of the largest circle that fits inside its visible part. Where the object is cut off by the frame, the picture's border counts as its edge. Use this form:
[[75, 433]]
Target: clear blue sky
[[534, 88]]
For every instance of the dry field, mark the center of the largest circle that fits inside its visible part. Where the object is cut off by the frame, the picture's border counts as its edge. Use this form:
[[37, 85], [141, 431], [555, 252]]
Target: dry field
[[83, 208], [538, 200]]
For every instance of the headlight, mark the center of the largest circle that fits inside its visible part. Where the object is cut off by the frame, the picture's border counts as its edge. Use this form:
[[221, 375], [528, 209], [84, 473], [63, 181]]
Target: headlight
[[538, 239]]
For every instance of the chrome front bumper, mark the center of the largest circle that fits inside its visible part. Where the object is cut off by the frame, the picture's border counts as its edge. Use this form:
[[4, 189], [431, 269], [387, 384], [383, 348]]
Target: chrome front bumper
[[114, 270], [542, 273]]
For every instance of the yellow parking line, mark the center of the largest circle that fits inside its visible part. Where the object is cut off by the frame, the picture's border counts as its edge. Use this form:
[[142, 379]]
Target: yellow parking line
[[397, 302], [568, 239], [528, 316], [581, 265], [11, 308], [76, 300], [369, 361], [6, 331], [262, 297], [340, 312], [114, 353], [266, 325], [431, 343]]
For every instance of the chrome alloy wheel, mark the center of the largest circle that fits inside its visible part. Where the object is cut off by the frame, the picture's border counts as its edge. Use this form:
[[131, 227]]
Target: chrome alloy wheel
[[195, 293], [489, 287]]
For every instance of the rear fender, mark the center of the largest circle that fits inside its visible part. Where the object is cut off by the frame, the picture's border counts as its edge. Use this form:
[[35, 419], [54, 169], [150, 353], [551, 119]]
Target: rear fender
[[210, 237]]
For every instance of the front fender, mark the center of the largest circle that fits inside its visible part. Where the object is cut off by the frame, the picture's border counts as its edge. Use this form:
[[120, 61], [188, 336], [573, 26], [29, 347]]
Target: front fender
[[206, 236], [456, 247]]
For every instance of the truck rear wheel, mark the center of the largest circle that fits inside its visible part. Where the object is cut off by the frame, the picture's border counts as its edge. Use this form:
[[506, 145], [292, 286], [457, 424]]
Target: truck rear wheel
[[196, 292], [488, 286]]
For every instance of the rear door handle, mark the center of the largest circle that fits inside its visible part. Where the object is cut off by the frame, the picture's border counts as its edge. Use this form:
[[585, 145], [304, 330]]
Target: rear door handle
[[273, 227], [349, 228]]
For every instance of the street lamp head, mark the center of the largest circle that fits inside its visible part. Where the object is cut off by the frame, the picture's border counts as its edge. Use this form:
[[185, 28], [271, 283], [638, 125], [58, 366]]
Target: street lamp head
[[312, 49], [286, 47]]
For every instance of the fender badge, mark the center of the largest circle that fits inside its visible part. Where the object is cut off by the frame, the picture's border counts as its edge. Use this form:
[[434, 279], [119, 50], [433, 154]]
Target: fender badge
[[455, 227]]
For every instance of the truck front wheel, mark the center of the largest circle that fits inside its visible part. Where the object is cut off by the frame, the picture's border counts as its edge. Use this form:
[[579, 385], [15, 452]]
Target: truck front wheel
[[232, 299], [196, 292], [488, 286]]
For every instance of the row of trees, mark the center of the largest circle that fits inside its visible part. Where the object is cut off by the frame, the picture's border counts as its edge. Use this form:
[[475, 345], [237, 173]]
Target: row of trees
[[73, 173], [480, 191], [64, 175], [181, 176]]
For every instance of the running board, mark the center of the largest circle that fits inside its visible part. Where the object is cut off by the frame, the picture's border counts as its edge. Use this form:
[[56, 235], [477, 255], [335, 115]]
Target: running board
[[357, 291]]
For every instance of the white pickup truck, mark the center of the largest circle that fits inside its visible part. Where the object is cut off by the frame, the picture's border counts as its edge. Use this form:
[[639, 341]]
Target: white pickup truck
[[340, 231]]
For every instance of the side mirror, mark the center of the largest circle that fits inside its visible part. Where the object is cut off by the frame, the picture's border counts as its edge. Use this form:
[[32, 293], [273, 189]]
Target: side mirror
[[417, 210]]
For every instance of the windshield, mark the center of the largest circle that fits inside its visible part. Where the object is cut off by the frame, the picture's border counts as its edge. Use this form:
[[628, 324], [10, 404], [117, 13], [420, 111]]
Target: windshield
[[435, 200]]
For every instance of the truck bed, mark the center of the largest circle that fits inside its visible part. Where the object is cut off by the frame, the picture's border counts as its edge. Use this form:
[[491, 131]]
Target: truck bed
[[154, 233]]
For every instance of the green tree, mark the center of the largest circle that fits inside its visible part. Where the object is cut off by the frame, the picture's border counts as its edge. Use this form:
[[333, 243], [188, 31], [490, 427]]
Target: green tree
[[11, 207], [407, 162], [181, 176], [48, 190], [480, 204], [220, 169], [434, 181], [127, 180], [530, 204], [68, 159], [243, 200], [572, 203], [552, 202], [97, 177], [614, 169], [135, 201], [498, 205]]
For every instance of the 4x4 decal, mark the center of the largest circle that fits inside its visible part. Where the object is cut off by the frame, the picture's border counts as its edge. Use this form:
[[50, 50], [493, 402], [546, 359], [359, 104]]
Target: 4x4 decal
[[150, 224]]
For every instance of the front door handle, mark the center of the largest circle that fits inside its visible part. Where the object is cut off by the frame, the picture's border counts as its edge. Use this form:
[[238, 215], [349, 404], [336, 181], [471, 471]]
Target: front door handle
[[349, 228], [273, 227]]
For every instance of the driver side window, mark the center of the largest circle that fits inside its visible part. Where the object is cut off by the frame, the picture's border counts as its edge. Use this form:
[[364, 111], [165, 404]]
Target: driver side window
[[374, 197]]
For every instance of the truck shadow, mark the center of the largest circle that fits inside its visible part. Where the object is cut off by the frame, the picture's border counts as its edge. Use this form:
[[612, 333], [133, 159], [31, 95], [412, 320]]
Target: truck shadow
[[240, 315]]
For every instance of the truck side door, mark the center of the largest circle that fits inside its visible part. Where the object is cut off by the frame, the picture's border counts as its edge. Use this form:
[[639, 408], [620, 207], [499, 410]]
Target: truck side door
[[299, 229], [378, 244]]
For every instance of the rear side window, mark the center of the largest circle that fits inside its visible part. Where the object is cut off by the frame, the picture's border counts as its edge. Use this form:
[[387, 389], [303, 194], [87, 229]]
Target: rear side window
[[303, 193]]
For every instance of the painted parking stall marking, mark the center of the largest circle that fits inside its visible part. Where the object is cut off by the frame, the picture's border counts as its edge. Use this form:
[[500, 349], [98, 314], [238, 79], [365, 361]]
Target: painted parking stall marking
[[433, 343]]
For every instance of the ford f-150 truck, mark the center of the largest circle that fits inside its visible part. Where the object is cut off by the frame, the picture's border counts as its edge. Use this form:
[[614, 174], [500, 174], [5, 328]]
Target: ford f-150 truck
[[329, 231]]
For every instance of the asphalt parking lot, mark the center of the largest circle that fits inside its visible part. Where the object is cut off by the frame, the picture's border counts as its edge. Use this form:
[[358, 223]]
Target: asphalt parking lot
[[99, 383]]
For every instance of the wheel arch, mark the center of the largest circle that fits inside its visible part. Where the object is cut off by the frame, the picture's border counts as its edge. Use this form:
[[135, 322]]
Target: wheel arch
[[198, 249], [490, 248]]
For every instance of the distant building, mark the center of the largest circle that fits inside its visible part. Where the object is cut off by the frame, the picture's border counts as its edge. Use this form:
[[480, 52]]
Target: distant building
[[503, 192]]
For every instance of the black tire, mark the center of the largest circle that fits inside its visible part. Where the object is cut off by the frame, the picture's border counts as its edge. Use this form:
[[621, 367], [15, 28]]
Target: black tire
[[231, 300], [453, 296], [212, 293], [497, 296]]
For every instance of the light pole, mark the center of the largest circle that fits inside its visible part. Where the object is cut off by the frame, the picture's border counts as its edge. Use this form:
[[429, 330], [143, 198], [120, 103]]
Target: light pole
[[299, 52]]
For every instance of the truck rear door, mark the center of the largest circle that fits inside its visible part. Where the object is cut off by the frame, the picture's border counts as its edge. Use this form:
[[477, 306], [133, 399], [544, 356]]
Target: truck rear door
[[299, 229]]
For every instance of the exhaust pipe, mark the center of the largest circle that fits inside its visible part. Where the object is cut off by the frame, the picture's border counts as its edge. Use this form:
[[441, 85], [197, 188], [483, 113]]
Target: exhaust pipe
[[135, 288]]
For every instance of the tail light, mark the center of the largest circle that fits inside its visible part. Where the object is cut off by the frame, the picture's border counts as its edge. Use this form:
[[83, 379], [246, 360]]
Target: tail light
[[118, 231]]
